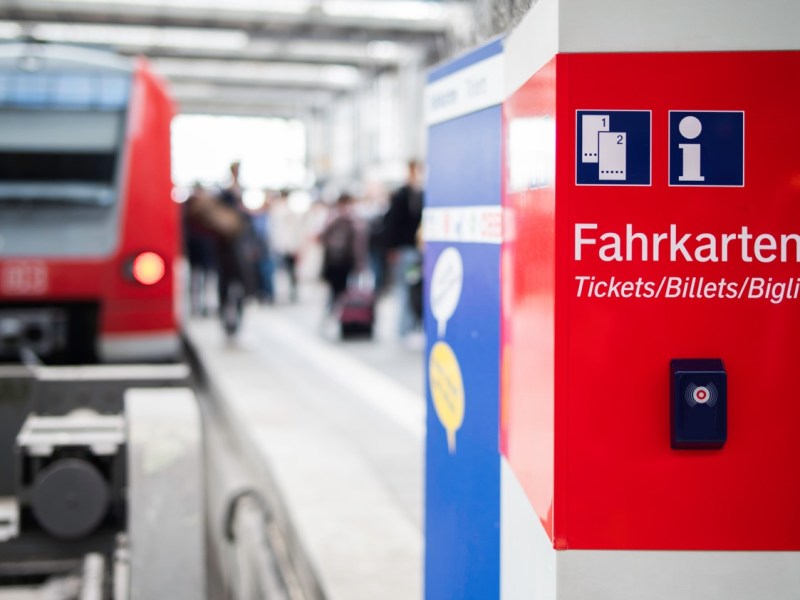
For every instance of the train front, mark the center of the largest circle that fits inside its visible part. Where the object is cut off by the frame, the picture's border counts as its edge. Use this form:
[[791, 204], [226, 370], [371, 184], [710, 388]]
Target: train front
[[89, 234]]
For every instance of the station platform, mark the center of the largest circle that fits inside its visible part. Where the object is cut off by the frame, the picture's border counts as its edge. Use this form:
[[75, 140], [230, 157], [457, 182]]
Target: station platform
[[336, 428]]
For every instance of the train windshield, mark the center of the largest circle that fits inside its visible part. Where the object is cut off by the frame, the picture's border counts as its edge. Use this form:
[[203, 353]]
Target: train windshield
[[61, 137]]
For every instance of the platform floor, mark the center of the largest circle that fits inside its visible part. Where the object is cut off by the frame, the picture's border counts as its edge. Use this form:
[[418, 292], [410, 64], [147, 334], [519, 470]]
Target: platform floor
[[338, 428]]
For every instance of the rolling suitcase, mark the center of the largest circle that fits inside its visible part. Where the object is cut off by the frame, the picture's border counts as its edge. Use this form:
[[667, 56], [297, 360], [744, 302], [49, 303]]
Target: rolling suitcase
[[357, 309]]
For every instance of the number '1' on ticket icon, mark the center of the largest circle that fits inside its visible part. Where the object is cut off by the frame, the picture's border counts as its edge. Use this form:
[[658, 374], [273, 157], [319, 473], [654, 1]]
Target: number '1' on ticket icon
[[592, 125]]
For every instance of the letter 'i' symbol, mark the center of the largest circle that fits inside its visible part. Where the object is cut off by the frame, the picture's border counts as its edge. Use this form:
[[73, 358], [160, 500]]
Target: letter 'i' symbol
[[690, 127]]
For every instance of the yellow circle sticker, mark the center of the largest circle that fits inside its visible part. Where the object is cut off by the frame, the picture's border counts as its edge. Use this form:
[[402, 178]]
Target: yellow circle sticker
[[447, 390]]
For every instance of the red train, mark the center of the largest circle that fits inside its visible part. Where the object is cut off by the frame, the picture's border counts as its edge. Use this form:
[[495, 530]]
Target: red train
[[89, 233]]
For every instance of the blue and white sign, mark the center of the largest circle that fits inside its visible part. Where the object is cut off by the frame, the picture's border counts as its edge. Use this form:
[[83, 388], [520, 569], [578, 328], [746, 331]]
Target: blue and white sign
[[706, 148], [463, 229], [466, 85], [613, 147]]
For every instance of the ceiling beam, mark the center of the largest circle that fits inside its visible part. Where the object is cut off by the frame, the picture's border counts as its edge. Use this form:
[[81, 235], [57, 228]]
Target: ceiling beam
[[216, 44], [205, 90], [256, 99], [249, 73], [270, 111], [308, 18], [254, 53]]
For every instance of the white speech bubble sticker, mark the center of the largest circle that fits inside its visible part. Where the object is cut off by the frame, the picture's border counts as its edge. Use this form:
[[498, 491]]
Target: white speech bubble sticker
[[446, 285]]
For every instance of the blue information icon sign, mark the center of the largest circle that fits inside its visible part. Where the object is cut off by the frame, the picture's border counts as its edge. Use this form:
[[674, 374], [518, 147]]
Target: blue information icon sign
[[613, 147], [706, 148]]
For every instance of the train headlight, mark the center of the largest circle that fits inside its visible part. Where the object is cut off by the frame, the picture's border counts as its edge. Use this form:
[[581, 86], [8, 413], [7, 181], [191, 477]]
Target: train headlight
[[148, 268]]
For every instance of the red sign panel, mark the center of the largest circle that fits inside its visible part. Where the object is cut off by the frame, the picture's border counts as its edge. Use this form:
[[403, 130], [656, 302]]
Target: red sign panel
[[24, 278], [675, 233]]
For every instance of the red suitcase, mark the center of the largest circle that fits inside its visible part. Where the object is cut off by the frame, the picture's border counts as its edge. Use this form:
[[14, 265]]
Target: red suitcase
[[357, 312]]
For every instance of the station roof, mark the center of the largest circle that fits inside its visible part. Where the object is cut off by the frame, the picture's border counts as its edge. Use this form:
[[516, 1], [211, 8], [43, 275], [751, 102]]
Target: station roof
[[259, 57]]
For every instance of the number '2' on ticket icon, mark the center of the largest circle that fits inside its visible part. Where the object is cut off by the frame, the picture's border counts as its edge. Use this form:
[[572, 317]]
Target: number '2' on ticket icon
[[612, 149]]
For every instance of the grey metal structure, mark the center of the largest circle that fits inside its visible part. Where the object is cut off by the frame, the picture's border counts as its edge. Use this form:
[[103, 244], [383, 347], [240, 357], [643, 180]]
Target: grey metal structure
[[165, 498], [101, 480]]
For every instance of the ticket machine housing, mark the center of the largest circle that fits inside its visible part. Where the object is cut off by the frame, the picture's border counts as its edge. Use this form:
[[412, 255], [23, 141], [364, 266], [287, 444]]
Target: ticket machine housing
[[686, 248]]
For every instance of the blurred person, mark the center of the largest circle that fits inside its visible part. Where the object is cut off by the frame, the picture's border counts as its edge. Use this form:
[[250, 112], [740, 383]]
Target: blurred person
[[199, 241], [248, 245], [266, 266], [238, 253], [342, 240], [401, 223], [286, 236], [314, 220], [376, 243], [232, 193], [414, 278]]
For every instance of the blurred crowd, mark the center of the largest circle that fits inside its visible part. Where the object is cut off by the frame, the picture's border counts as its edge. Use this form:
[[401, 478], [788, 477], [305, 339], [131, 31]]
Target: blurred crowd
[[361, 248]]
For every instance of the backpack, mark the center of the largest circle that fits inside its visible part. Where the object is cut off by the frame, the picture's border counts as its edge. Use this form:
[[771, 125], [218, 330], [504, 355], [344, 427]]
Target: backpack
[[339, 242]]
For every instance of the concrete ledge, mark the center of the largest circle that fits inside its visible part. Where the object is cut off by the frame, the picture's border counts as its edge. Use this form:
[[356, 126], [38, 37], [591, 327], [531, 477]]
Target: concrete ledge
[[345, 469]]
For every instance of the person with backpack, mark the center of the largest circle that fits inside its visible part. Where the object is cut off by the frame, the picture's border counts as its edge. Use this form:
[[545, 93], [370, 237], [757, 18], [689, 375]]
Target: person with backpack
[[237, 255], [342, 245]]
